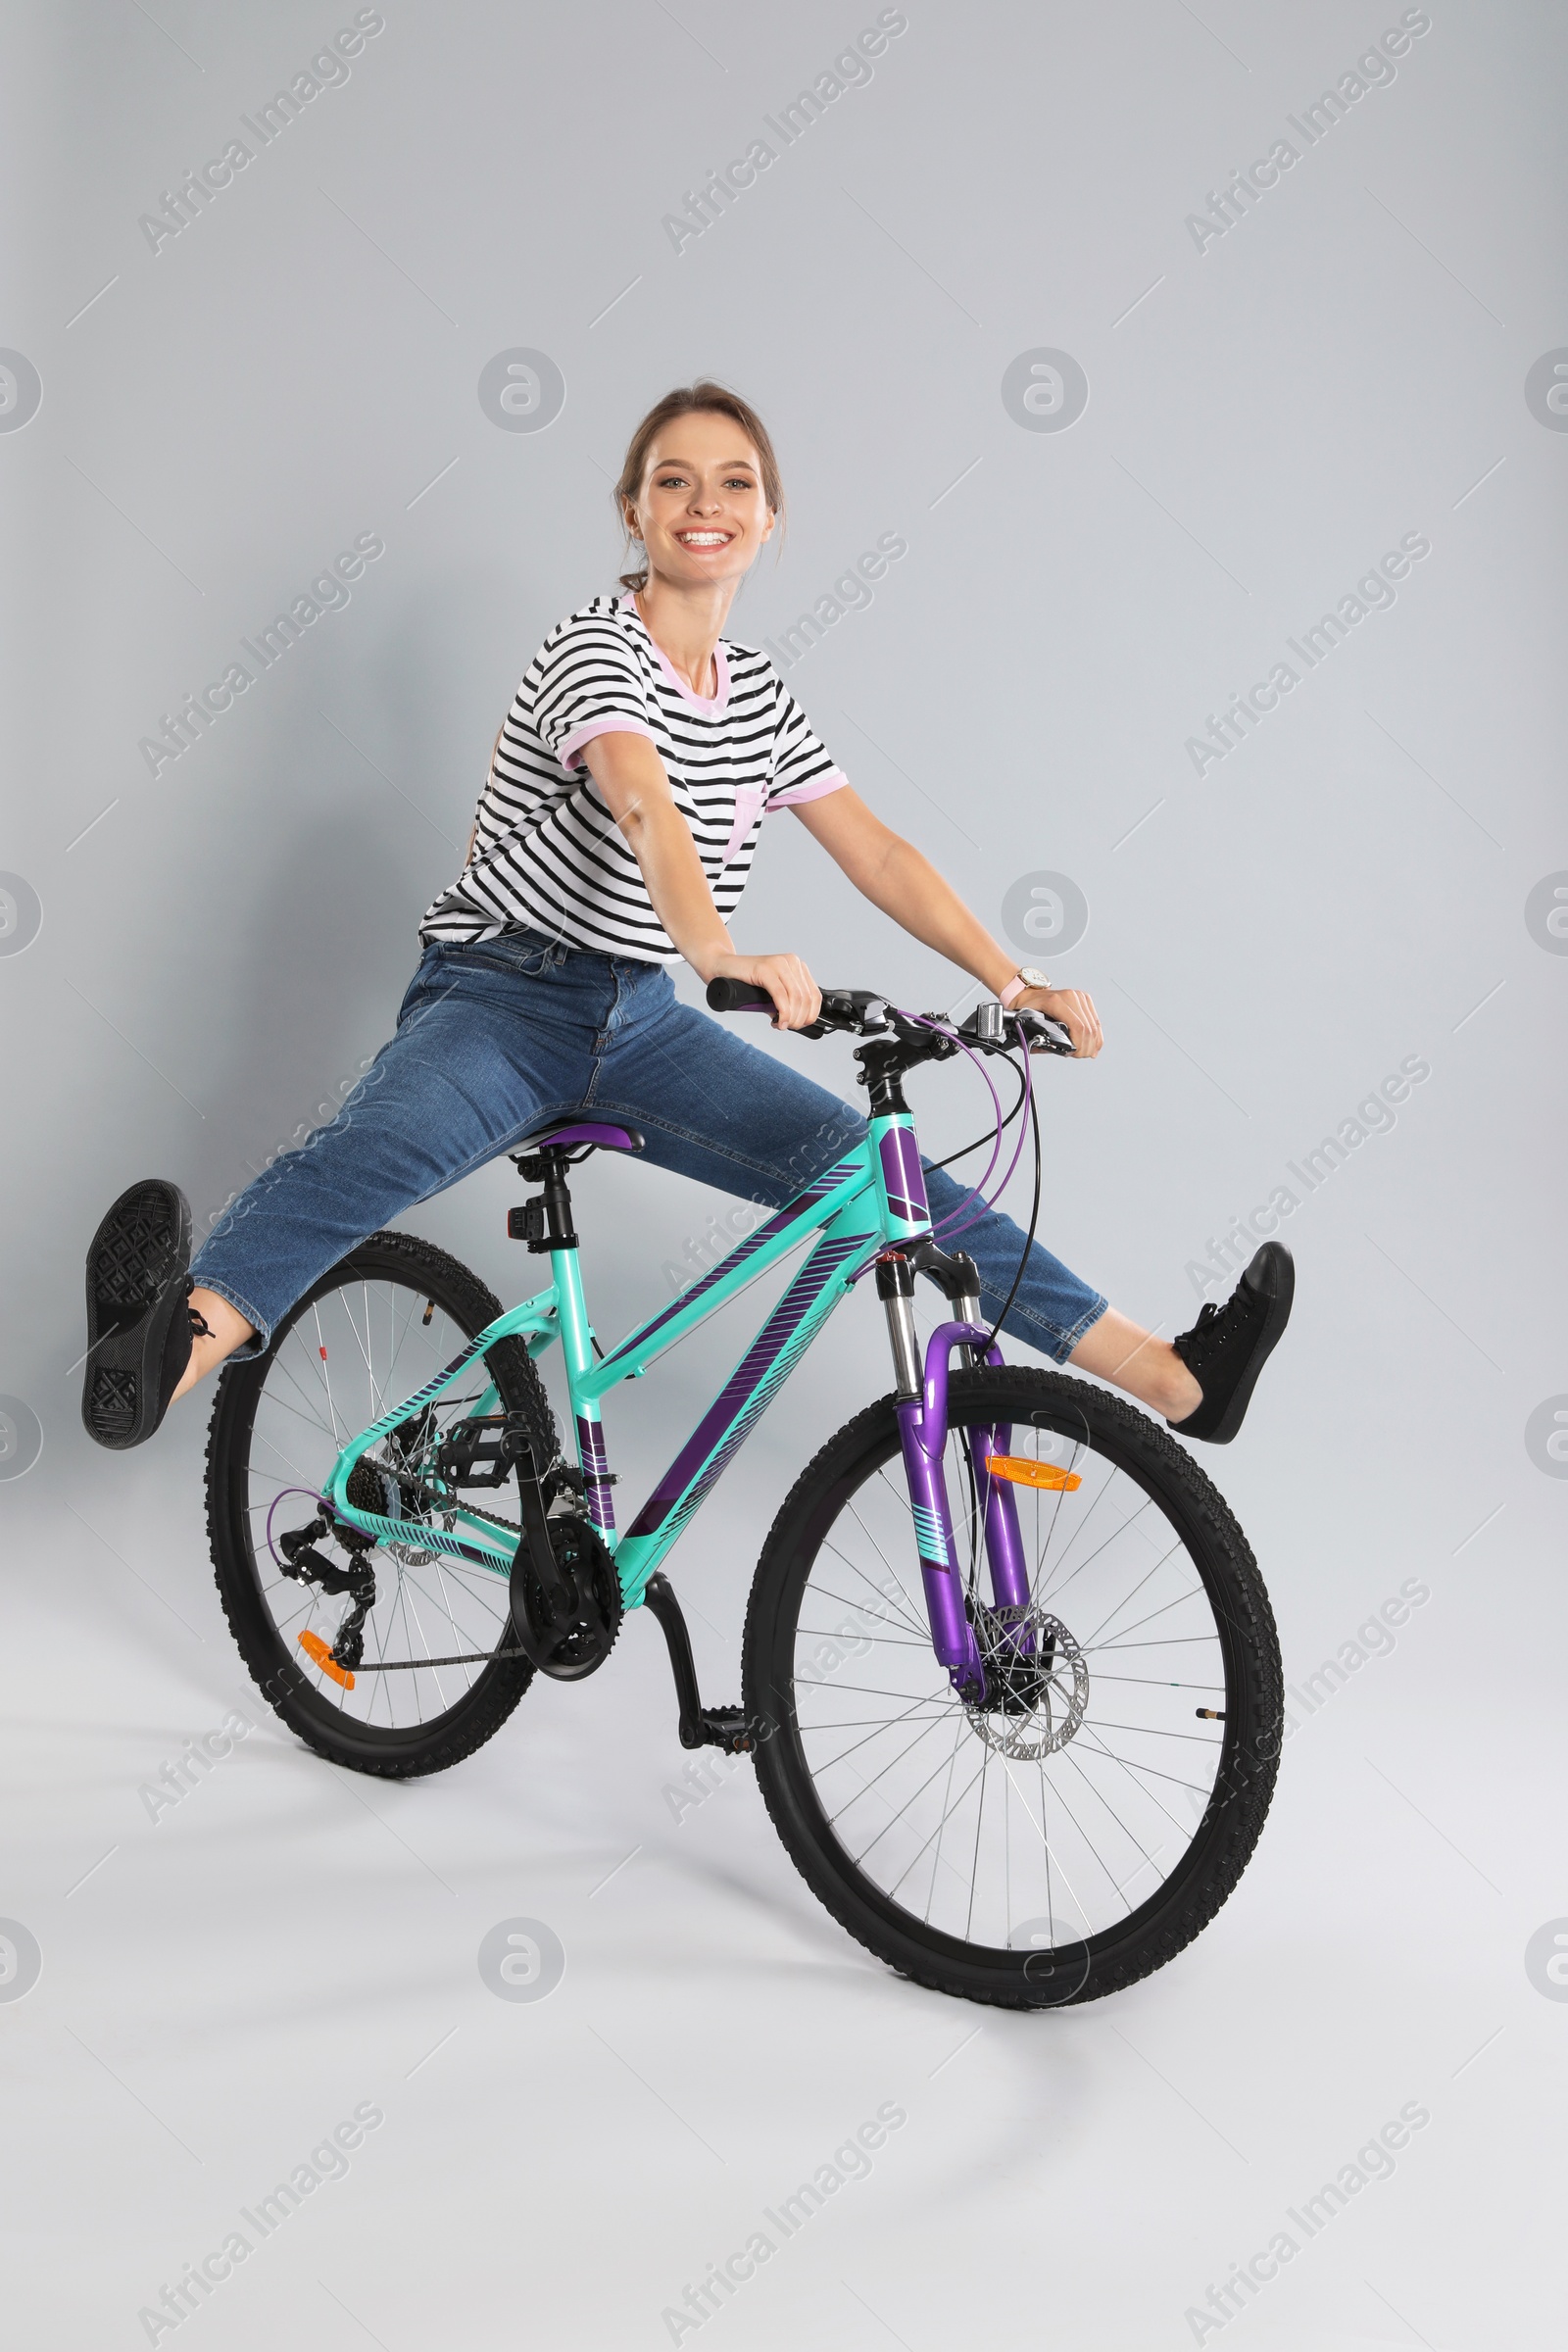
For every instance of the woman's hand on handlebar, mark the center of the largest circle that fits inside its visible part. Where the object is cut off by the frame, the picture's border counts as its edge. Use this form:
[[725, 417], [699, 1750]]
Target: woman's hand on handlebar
[[1074, 1009], [797, 999]]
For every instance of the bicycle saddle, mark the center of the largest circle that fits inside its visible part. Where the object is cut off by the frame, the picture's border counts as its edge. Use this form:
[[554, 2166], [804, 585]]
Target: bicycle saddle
[[579, 1132]]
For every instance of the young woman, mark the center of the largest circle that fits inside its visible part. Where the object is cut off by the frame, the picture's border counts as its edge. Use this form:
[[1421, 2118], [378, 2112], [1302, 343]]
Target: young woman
[[613, 838]]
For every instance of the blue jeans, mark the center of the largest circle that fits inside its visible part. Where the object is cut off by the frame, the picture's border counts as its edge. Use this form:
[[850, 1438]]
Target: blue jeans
[[495, 1041]]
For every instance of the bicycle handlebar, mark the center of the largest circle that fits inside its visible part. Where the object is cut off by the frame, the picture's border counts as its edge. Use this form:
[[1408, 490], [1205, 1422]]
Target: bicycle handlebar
[[863, 1013]]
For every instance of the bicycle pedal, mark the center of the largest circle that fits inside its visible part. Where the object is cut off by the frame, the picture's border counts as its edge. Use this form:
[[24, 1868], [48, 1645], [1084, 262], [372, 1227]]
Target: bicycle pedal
[[726, 1728]]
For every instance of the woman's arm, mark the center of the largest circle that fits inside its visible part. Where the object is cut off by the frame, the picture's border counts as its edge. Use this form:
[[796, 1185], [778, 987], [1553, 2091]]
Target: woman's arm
[[891, 872], [634, 787]]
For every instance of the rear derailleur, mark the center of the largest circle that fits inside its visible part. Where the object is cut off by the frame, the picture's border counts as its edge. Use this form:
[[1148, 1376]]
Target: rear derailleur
[[308, 1566]]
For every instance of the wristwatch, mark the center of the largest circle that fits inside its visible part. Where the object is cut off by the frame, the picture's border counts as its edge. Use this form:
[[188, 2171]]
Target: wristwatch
[[1027, 977]]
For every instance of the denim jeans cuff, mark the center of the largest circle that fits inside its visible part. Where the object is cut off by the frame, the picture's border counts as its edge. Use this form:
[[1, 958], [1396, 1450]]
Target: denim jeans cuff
[[1052, 1341], [256, 1344]]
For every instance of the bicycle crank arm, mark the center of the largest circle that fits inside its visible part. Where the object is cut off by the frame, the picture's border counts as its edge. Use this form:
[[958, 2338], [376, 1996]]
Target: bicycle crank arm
[[700, 1726], [563, 1594]]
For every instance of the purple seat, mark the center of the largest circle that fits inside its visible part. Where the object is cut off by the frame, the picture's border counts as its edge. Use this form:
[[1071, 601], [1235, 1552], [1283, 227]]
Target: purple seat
[[579, 1132]]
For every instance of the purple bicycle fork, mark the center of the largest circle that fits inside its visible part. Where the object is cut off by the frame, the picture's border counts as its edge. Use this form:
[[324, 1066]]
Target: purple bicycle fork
[[923, 1435]]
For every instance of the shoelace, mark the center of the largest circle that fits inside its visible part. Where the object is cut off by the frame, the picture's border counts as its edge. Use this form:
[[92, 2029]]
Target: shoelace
[[1206, 1330]]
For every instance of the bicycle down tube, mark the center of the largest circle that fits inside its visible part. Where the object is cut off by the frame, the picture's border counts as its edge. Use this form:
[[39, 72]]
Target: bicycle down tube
[[860, 1209]]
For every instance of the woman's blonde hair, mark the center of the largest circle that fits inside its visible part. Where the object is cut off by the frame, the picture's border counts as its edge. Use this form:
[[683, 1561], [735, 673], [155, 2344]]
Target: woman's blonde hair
[[685, 401]]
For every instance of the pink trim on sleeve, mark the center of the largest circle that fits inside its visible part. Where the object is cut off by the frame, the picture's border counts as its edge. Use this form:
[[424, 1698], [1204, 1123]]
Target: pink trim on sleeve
[[816, 790], [573, 744]]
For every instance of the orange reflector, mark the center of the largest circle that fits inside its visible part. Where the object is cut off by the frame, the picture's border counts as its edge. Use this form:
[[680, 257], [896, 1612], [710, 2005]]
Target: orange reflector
[[1021, 1472], [317, 1651]]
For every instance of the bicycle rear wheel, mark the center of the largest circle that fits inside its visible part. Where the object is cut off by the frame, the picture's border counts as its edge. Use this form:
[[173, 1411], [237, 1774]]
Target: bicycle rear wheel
[[1079, 1830], [441, 1670]]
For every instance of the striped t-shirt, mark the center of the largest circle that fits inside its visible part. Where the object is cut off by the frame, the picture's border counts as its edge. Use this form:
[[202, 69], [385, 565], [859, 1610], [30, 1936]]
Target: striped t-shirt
[[548, 856]]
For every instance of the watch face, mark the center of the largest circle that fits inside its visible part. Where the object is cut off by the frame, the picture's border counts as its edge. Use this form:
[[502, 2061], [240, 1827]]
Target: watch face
[[1032, 978]]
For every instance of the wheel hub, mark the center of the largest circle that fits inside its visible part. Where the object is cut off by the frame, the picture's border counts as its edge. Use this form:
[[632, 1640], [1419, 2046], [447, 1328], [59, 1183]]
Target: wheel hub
[[1036, 1686], [390, 1493]]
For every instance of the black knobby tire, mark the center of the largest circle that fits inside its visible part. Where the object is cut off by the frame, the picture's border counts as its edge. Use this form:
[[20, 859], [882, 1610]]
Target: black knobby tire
[[1144, 1552], [394, 1723]]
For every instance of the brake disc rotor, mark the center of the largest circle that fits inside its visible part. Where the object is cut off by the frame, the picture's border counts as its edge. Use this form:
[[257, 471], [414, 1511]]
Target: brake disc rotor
[[1036, 1693]]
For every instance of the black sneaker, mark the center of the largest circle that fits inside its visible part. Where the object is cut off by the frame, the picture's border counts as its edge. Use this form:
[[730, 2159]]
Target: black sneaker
[[1228, 1345], [139, 1327]]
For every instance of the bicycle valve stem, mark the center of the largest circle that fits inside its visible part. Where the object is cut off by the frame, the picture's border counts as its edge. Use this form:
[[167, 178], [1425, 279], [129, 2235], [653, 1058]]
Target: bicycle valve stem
[[895, 1287]]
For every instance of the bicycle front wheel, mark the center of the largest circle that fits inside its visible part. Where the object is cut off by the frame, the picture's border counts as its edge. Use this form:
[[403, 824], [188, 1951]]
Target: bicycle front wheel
[[1081, 1827]]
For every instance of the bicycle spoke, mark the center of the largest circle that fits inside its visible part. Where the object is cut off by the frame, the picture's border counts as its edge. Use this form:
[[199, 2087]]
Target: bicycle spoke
[[913, 1625], [867, 1786], [1137, 1588], [936, 1859]]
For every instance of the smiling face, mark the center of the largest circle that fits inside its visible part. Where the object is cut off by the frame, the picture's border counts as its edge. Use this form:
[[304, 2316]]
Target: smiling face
[[700, 512]]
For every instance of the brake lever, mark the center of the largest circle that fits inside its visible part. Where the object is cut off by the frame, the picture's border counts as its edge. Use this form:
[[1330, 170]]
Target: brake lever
[[1043, 1035], [856, 1012]]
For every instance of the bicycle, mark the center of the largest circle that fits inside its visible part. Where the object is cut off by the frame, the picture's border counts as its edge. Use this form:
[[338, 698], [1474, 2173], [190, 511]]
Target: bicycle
[[1045, 1795]]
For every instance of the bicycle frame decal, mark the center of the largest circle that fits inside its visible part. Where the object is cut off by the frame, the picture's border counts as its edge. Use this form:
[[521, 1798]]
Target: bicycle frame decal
[[595, 1466], [748, 1392], [902, 1183]]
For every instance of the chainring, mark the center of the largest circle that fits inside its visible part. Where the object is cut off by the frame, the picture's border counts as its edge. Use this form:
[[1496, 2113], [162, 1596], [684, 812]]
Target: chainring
[[572, 1636]]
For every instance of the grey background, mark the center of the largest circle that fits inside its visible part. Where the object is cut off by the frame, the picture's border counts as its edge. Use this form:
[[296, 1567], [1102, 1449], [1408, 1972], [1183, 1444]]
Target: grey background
[[220, 948]]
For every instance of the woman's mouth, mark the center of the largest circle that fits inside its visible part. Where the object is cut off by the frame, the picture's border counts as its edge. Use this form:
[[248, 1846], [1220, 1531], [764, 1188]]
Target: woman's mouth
[[700, 539]]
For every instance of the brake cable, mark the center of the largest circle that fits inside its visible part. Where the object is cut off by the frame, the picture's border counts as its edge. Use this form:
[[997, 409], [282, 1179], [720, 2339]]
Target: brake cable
[[1034, 1215], [981, 1141], [948, 1231]]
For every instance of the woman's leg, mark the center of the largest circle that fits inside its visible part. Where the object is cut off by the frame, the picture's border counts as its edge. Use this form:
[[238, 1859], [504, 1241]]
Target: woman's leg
[[216, 1331], [1201, 1381], [1121, 1351], [711, 1105], [1056, 1312], [483, 1055], [715, 1107]]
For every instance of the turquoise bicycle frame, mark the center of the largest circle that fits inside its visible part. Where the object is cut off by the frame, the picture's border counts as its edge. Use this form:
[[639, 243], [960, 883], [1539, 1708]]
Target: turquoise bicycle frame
[[871, 1198]]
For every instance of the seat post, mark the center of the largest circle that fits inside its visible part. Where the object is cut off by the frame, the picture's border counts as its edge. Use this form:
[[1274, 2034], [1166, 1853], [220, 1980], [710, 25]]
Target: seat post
[[558, 1200]]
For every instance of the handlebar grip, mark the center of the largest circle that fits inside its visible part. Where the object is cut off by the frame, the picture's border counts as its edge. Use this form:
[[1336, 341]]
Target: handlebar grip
[[738, 996]]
